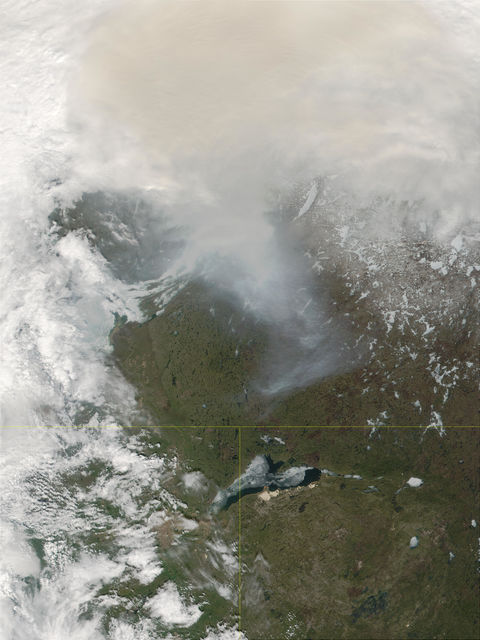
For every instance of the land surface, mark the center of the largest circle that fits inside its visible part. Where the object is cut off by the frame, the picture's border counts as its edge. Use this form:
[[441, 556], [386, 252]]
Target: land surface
[[192, 366], [400, 312], [405, 309], [333, 559]]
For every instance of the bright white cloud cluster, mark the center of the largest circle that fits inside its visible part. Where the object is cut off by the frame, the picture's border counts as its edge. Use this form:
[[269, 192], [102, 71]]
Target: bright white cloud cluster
[[168, 605]]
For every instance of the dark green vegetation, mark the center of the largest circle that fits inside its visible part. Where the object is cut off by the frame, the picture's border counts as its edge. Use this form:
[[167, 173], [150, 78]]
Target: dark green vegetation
[[404, 309], [193, 364], [187, 542], [198, 363], [214, 451], [188, 558], [332, 560]]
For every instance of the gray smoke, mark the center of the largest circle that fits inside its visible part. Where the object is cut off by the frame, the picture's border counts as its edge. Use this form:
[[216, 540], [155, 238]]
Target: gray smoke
[[220, 107]]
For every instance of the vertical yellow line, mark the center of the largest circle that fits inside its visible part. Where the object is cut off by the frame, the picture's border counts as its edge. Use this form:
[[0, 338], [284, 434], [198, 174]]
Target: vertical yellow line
[[239, 531]]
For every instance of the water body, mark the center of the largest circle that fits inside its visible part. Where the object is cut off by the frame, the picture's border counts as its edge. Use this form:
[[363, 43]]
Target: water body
[[261, 473], [82, 509]]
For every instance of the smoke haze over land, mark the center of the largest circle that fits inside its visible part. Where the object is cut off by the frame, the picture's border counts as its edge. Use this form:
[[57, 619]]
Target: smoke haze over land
[[228, 106], [211, 141], [215, 113], [229, 101]]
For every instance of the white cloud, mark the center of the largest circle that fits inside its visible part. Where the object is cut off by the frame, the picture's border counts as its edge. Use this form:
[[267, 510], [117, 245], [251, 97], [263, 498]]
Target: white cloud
[[414, 482], [171, 609]]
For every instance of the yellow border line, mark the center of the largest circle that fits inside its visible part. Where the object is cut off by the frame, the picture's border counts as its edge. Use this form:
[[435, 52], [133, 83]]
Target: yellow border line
[[240, 464]]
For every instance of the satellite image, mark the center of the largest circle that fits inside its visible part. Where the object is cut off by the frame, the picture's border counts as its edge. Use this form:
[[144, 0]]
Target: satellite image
[[245, 212], [227, 533], [240, 319]]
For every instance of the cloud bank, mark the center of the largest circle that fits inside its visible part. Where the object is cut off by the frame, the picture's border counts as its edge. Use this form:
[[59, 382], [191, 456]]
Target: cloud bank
[[219, 108]]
